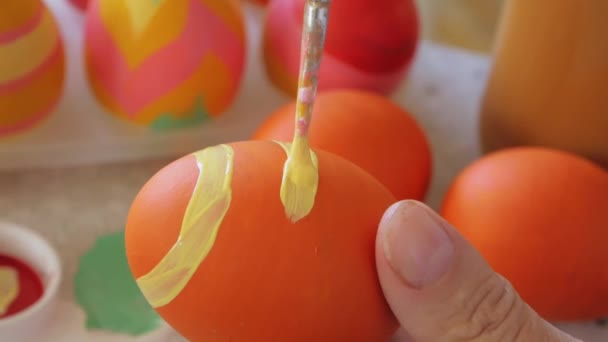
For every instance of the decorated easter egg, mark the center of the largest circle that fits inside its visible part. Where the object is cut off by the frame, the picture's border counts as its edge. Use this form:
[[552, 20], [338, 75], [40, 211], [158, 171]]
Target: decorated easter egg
[[80, 4], [370, 44], [212, 248], [167, 63], [31, 65], [367, 129]]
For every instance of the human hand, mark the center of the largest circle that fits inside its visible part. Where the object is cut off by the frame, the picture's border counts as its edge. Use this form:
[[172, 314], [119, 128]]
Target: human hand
[[441, 289]]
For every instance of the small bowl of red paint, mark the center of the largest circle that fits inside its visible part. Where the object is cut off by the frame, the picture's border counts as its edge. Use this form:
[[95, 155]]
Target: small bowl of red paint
[[30, 274]]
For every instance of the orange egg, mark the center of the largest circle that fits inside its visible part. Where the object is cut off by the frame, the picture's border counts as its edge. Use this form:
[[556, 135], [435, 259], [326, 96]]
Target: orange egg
[[370, 131], [540, 218], [264, 277]]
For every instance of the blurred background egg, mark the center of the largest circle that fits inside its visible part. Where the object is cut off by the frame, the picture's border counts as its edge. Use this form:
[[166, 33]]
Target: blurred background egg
[[369, 130], [31, 65], [80, 4], [168, 63], [540, 218], [259, 2], [370, 44], [264, 278]]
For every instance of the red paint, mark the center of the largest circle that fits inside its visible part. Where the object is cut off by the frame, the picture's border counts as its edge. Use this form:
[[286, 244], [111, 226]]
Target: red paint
[[80, 4], [30, 285]]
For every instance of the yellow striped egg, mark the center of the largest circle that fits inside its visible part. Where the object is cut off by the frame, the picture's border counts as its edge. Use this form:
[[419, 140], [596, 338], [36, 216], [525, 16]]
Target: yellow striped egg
[[165, 63], [31, 65]]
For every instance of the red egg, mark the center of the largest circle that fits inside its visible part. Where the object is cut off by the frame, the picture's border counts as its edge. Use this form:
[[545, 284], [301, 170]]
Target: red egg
[[370, 44], [80, 4]]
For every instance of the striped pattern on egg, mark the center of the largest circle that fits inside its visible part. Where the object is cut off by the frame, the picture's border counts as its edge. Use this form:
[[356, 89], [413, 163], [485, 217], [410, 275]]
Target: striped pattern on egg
[[166, 63], [31, 65]]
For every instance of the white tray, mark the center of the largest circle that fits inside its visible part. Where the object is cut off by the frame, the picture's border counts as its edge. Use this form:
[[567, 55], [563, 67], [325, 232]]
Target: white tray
[[81, 132]]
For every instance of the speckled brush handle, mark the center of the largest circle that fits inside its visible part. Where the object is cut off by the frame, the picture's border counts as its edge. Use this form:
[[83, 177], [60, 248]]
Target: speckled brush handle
[[316, 15]]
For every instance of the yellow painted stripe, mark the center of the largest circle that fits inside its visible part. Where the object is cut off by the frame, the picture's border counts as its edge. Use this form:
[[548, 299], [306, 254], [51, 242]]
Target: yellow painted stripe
[[24, 55], [136, 43], [142, 13], [203, 218]]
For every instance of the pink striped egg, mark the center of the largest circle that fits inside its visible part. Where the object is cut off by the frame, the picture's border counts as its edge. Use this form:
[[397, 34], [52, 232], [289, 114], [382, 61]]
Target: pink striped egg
[[31, 65], [165, 63]]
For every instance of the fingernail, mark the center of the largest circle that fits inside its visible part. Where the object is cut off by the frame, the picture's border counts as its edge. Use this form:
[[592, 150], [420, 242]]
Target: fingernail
[[415, 244]]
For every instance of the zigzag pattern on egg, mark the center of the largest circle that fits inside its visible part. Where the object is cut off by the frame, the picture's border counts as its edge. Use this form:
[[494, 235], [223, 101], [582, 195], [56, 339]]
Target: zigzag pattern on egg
[[31, 67], [165, 64]]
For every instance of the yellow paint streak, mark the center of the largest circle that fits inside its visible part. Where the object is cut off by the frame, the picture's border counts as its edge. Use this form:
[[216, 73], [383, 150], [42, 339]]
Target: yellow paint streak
[[300, 180], [24, 55], [161, 29], [9, 288], [206, 210], [142, 13]]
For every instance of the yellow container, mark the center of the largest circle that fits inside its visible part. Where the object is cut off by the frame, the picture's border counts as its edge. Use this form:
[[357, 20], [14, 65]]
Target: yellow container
[[549, 82]]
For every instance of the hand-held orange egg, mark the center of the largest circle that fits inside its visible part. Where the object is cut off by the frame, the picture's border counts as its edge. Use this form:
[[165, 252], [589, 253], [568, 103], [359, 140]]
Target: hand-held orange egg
[[261, 277], [540, 218], [370, 131]]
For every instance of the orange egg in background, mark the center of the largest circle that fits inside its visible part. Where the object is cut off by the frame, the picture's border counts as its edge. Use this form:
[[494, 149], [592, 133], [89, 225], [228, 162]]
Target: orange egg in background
[[266, 278], [370, 131], [32, 65], [540, 218]]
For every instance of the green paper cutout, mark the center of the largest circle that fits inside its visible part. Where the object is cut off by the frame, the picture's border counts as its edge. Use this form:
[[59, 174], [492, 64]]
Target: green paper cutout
[[199, 114], [106, 290]]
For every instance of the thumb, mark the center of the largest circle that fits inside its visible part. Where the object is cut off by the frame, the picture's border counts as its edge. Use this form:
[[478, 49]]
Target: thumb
[[441, 289]]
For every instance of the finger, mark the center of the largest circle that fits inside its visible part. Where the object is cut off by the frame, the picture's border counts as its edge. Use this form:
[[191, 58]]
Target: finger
[[441, 289]]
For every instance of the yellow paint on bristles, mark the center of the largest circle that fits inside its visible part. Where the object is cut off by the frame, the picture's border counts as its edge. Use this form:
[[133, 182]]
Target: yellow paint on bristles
[[300, 172]]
